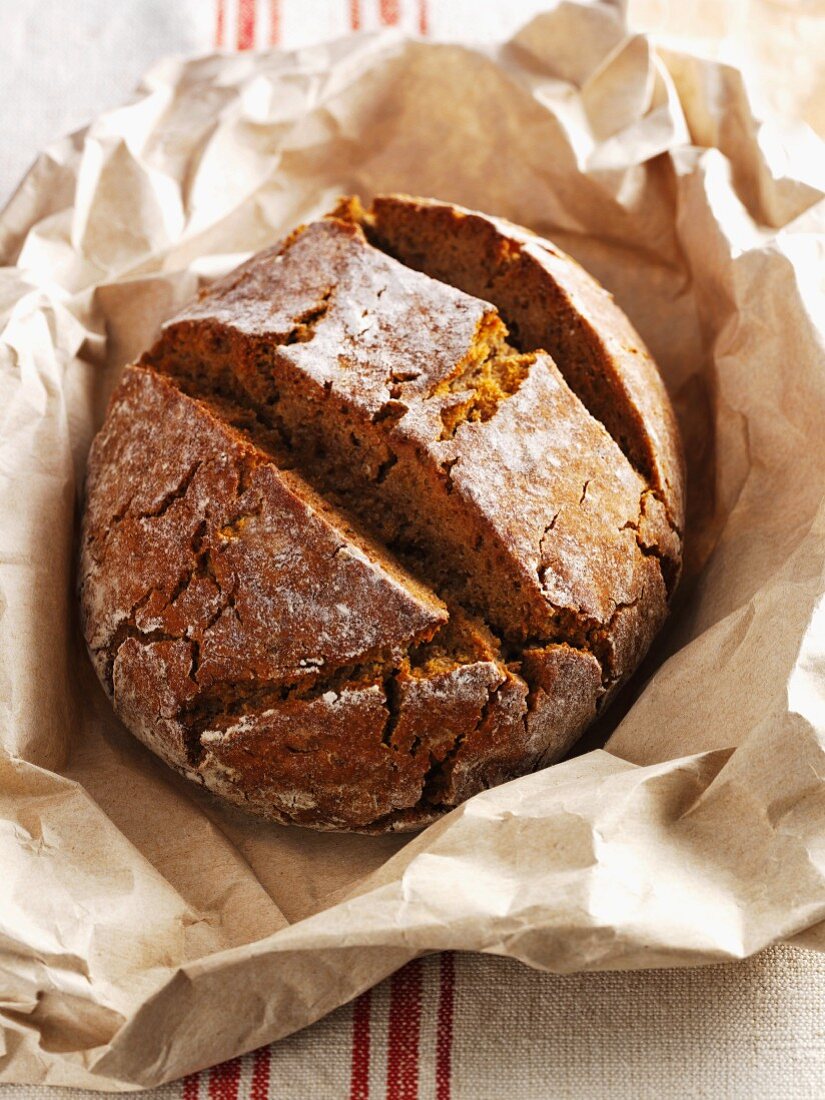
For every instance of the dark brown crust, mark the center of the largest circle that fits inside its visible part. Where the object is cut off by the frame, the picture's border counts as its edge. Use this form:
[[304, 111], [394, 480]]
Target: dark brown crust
[[321, 460], [548, 301], [189, 532]]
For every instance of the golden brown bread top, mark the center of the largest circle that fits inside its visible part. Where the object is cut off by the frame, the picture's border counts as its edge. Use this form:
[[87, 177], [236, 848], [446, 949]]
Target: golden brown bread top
[[540, 483], [550, 302], [322, 461], [338, 309]]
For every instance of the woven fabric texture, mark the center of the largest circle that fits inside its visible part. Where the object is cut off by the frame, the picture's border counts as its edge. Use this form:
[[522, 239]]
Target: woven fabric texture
[[465, 1027]]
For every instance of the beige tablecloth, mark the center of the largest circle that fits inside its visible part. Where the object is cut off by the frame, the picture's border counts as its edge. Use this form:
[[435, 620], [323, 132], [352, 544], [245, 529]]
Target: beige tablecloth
[[749, 1030]]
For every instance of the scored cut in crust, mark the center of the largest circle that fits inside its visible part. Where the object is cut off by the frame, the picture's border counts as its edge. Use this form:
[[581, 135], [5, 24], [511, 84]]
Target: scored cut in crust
[[550, 302], [352, 551]]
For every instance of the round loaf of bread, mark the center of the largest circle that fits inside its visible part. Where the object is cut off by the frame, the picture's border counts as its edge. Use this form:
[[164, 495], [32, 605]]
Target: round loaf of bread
[[384, 518]]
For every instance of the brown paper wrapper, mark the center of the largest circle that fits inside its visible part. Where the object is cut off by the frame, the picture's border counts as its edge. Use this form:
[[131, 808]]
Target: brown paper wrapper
[[146, 930]]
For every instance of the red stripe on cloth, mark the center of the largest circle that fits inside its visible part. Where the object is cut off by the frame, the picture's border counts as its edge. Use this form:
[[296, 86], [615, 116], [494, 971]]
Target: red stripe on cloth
[[259, 1086], [355, 14], [220, 22], [224, 1080], [359, 1087], [274, 22], [423, 17], [191, 1087], [444, 1028], [246, 24], [389, 12], [403, 1032]]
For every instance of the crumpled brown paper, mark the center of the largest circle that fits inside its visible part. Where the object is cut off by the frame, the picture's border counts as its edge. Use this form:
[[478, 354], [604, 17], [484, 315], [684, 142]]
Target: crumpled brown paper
[[134, 908]]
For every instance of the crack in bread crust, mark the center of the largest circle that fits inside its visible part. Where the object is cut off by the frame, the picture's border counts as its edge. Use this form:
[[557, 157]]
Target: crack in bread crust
[[512, 665], [571, 628], [548, 301]]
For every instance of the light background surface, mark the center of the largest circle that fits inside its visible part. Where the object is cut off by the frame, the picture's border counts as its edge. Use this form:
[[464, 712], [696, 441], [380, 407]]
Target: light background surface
[[63, 63]]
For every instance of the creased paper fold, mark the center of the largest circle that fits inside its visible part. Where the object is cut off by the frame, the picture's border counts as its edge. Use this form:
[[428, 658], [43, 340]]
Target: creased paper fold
[[134, 908]]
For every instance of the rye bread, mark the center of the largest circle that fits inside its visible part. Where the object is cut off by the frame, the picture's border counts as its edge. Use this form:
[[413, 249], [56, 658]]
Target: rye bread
[[358, 545]]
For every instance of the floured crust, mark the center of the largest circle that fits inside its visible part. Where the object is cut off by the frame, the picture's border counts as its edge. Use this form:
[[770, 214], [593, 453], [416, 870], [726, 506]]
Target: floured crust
[[350, 556], [190, 533], [550, 302]]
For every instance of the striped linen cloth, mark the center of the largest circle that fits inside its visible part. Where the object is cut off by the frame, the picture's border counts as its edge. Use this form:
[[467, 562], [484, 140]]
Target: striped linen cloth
[[469, 1027], [448, 1027]]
